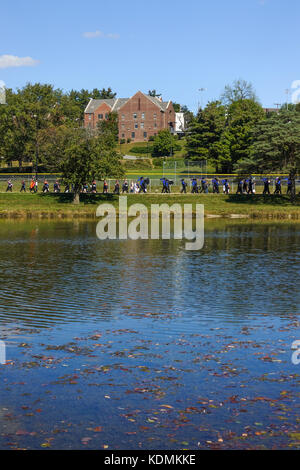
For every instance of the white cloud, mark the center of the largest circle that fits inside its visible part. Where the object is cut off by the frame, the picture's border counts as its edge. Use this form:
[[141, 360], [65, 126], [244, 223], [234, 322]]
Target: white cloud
[[100, 34], [7, 61]]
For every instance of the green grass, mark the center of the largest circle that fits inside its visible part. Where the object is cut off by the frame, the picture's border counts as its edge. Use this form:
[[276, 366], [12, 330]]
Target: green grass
[[60, 205], [126, 149]]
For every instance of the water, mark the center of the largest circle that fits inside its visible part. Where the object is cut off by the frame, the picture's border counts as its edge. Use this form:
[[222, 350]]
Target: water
[[141, 344]]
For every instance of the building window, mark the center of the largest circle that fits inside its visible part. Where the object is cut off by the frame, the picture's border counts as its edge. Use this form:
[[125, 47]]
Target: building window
[[142, 125], [143, 115], [123, 135], [123, 126], [123, 117], [134, 116], [154, 115], [145, 135], [132, 135], [106, 116], [136, 126], [90, 117], [100, 116], [155, 125]]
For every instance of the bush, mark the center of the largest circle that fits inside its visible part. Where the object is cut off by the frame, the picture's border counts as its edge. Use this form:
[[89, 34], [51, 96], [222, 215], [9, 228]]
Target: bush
[[157, 162], [24, 169], [141, 150], [128, 140]]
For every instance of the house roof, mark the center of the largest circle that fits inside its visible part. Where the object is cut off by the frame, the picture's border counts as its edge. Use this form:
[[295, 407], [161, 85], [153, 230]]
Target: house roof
[[116, 103], [94, 104]]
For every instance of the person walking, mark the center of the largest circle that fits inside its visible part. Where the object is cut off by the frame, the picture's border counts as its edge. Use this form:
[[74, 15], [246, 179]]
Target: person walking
[[117, 187], [194, 186], [94, 187], [32, 185], [226, 186], [204, 187], [289, 186], [46, 187], [215, 183], [105, 187], [56, 187], [277, 186], [183, 186], [23, 187], [266, 182], [125, 186], [250, 186], [239, 187], [9, 186], [164, 188]]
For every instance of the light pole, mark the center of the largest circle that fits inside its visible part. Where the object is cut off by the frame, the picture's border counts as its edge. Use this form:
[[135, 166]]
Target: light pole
[[287, 92], [201, 99]]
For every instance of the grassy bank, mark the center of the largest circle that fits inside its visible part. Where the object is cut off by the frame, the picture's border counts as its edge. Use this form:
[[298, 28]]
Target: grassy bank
[[39, 205]]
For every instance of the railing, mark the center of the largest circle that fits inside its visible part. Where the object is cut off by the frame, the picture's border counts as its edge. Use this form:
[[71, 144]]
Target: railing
[[154, 186]]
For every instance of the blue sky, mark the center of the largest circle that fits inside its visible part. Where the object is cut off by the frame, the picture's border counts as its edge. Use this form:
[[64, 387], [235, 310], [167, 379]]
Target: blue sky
[[173, 46]]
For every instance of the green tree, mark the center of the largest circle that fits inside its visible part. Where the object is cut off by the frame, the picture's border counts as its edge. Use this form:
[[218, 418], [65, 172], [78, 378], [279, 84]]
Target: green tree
[[76, 101], [242, 117], [276, 145], [177, 107], [79, 155], [28, 110], [205, 131], [239, 90], [108, 129], [164, 144]]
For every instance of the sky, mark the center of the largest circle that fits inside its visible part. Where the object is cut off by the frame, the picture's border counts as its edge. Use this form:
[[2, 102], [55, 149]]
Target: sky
[[176, 47]]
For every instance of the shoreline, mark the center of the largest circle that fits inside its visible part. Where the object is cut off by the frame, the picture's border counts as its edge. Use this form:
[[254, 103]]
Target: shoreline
[[81, 215], [60, 206]]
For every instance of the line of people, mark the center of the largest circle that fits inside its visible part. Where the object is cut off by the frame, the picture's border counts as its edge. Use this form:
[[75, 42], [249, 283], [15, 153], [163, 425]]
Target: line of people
[[203, 187], [244, 186], [139, 186]]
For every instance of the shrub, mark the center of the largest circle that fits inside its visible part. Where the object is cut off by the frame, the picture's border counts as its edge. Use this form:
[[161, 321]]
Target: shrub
[[141, 150], [140, 164]]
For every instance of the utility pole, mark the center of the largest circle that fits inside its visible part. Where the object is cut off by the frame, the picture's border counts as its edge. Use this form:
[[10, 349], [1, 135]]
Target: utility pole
[[201, 99], [287, 91], [277, 105]]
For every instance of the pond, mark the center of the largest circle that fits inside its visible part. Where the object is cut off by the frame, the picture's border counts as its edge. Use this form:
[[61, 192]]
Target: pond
[[144, 345]]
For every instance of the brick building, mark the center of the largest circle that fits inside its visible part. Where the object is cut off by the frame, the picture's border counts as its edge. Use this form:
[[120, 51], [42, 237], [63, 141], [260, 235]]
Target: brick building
[[140, 116]]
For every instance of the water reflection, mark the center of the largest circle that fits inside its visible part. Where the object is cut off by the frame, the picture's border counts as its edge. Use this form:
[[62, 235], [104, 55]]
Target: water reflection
[[59, 272]]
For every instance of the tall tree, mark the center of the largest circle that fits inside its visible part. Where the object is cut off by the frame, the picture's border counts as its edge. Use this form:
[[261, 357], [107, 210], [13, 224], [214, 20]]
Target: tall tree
[[164, 144], [276, 145], [242, 117], [79, 155], [239, 90], [205, 131], [80, 99], [28, 110]]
